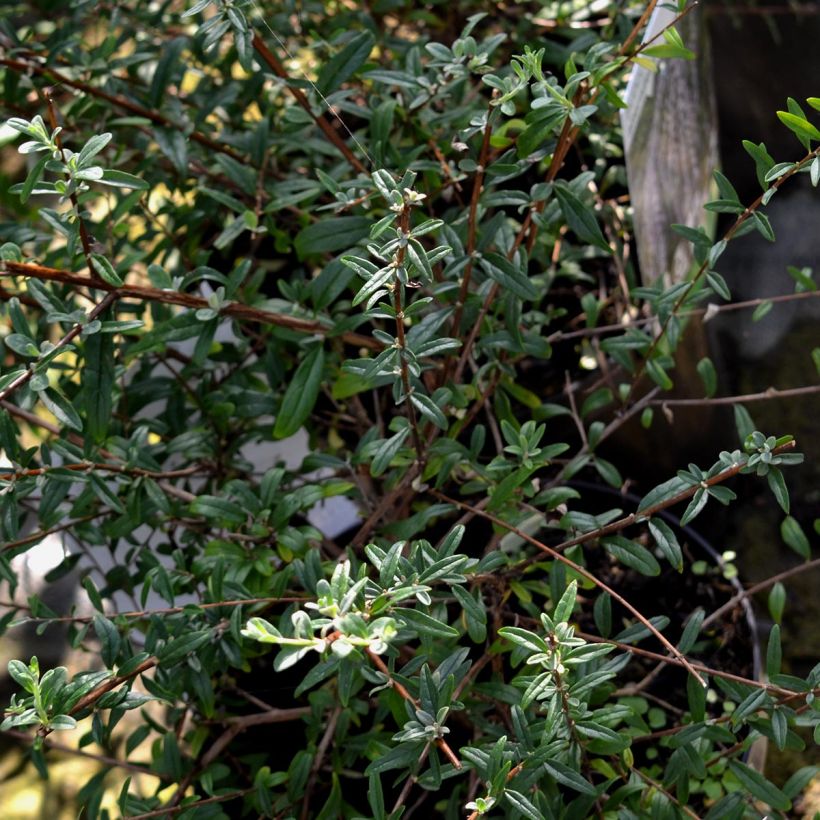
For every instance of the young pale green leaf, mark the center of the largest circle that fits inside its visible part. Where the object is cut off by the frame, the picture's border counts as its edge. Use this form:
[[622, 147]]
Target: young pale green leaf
[[301, 395], [23, 675], [799, 125]]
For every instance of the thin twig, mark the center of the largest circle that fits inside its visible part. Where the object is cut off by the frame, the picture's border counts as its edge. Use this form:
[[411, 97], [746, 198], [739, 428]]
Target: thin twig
[[755, 588], [222, 798], [119, 102], [553, 553], [764, 395], [401, 690], [272, 61], [72, 334], [172, 297]]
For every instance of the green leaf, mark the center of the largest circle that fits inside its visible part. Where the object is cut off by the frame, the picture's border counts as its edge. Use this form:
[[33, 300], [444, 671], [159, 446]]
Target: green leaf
[[669, 52], [563, 610], [334, 234], [708, 375], [345, 63], [759, 787], [667, 542], [120, 179], [62, 409], [23, 675], [761, 310], [632, 554], [580, 217], [524, 638], [777, 602], [33, 178], [569, 777], [387, 452], [744, 423], [691, 630], [509, 276], [799, 125], [718, 284], [109, 638], [777, 484], [774, 652], [696, 505], [22, 345], [211, 506], [792, 533], [105, 270], [425, 624], [98, 384], [178, 648], [429, 409], [62, 723], [522, 804], [301, 395]]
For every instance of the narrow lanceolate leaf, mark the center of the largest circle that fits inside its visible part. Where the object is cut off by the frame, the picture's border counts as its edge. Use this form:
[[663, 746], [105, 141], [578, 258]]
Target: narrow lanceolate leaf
[[792, 533], [425, 624], [632, 554], [120, 179], [98, 382], [301, 395], [798, 125], [667, 542], [105, 270], [334, 234], [345, 63], [569, 777], [708, 375], [387, 452], [62, 409], [777, 484], [522, 804], [580, 218], [759, 787], [429, 409], [509, 276]]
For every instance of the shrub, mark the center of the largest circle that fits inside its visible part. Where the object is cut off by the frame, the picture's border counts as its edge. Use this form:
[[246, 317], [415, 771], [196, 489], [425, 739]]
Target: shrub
[[400, 229]]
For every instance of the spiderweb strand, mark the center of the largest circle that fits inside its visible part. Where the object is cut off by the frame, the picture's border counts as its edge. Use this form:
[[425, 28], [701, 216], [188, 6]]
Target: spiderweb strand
[[312, 84]]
